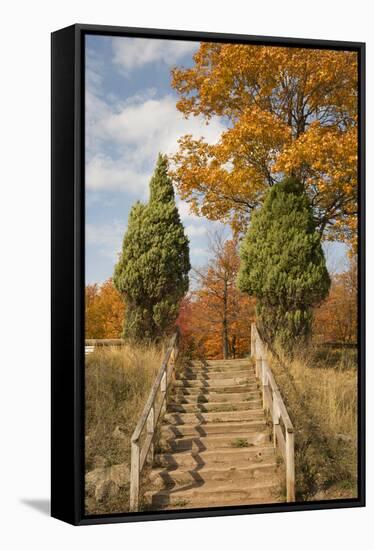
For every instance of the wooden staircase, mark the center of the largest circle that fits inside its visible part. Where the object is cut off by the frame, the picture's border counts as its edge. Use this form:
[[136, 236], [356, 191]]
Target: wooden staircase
[[215, 443]]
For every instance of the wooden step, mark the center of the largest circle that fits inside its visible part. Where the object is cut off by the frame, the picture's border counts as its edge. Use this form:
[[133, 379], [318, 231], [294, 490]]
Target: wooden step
[[214, 493], [203, 429], [205, 392], [193, 387], [216, 406], [222, 382], [198, 418], [226, 501], [224, 457], [217, 375], [169, 477], [217, 368], [223, 362], [185, 397], [176, 439]]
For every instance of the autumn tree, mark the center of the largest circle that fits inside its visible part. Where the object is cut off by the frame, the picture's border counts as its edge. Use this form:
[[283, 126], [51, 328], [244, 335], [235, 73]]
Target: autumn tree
[[205, 327], [104, 311], [220, 316], [287, 111], [152, 271], [185, 324], [283, 265], [335, 320]]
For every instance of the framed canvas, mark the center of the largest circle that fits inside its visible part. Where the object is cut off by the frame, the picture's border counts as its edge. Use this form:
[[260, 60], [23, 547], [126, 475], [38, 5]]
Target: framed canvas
[[208, 281]]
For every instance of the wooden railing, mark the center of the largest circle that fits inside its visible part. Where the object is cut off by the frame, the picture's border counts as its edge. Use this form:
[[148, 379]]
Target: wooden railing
[[100, 342], [283, 431], [91, 344], [143, 448]]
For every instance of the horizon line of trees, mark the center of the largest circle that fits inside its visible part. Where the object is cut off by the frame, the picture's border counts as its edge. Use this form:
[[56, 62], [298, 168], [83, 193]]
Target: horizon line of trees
[[335, 319]]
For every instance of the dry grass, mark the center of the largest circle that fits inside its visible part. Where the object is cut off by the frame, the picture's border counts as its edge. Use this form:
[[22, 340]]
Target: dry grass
[[117, 382], [321, 395], [319, 388]]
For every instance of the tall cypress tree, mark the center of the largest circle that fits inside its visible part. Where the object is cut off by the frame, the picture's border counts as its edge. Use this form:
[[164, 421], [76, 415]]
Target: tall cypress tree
[[283, 265], [152, 271]]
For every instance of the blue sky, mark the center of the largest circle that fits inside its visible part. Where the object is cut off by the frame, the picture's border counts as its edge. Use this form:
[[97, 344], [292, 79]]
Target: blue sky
[[130, 118]]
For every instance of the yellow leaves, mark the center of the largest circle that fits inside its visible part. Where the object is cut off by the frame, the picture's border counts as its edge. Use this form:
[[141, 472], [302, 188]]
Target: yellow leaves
[[287, 111], [236, 167], [326, 158], [253, 73], [104, 311], [324, 154], [336, 319]]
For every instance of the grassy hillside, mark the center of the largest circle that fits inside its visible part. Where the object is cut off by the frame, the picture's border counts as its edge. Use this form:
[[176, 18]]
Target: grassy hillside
[[117, 383], [320, 391]]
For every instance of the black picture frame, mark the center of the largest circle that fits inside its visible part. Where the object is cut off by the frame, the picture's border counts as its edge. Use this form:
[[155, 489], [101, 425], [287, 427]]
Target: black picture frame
[[68, 222]]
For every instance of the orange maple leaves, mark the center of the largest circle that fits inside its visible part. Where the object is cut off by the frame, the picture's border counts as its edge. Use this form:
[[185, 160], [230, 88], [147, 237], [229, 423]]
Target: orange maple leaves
[[215, 319], [335, 320], [288, 111], [104, 311]]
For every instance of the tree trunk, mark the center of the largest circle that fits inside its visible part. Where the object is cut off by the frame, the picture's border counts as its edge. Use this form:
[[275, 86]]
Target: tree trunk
[[225, 338], [233, 347]]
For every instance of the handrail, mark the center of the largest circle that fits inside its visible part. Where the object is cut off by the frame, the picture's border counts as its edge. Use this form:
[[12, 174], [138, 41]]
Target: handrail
[[104, 342], [273, 402], [149, 418]]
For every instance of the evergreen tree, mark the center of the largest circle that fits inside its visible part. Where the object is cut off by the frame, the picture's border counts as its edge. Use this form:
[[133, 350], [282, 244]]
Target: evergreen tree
[[152, 271], [283, 265]]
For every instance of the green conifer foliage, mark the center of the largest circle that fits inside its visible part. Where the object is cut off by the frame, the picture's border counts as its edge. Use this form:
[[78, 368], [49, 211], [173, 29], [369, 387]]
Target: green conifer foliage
[[283, 265], [152, 271]]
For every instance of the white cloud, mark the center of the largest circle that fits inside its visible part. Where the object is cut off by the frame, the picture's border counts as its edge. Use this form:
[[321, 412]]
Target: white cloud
[[107, 238], [100, 110], [94, 69], [105, 173], [196, 230], [196, 251], [131, 53], [135, 132], [185, 211], [336, 254], [97, 110], [156, 124]]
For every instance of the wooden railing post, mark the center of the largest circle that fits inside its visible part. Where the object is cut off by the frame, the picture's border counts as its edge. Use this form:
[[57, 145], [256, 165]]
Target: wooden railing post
[[172, 359], [265, 382], [150, 432], [290, 466], [276, 416], [134, 476], [163, 389], [258, 356], [171, 364], [176, 347], [253, 340]]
